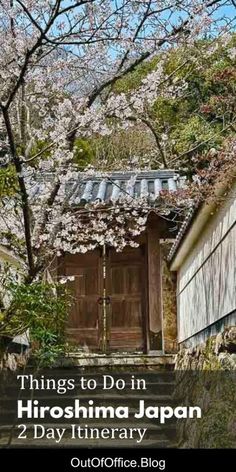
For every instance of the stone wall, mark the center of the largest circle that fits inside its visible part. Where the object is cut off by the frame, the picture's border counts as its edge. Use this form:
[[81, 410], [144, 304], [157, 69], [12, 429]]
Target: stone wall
[[218, 352], [206, 377], [12, 355], [13, 361]]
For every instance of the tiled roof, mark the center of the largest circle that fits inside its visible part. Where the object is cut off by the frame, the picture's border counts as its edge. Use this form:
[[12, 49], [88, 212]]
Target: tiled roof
[[112, 187]]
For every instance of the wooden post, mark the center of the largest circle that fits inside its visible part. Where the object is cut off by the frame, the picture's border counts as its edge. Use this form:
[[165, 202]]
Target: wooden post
[[155, 335]]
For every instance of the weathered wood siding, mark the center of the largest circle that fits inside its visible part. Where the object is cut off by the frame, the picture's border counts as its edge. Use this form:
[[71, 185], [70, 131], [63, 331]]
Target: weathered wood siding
[[206, 289]]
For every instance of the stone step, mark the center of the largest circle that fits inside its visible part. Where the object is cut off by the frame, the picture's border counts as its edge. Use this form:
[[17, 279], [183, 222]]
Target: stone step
[[122, 361], [9, 384], [76, 372], [155, 388]]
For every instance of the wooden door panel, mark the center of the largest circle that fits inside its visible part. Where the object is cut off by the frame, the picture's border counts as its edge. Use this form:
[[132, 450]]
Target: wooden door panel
[[91, 281], [84, 319], [84, 314], [84, 337], [125, 289], [124, 286], [117, 280], [126, 313], [133, 280], [133, 314], [86, 279], [130, 340]]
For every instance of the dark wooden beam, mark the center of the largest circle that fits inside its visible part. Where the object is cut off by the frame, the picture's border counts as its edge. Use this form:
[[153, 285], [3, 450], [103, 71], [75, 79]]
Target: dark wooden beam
[[155, 335]]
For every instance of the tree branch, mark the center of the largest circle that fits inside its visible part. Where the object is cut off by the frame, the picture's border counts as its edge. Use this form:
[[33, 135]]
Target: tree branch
[[28, 56], [155, 134], [23, 191]]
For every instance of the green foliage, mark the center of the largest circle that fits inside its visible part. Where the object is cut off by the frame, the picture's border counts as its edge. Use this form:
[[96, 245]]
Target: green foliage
[[47, 347], [203, 113], [195, 131], [83, 153], [133, 80], [8, 181], [40, 147], [122, 149], [42, 308], [200, 118]]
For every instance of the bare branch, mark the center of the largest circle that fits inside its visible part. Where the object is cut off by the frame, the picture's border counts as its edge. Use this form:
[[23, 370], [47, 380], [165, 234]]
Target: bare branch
[[155, 134]]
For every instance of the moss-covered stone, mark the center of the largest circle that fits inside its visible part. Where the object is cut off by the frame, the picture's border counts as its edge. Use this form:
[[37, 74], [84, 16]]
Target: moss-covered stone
[[206, 376]]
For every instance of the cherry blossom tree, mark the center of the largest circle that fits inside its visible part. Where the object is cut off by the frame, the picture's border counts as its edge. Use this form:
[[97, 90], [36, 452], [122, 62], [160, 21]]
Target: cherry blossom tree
[[60, 61]]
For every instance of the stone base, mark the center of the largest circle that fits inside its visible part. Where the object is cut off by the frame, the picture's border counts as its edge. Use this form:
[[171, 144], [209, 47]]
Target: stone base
[[13, 361], [218, 352], [206, 377], [117, 360]]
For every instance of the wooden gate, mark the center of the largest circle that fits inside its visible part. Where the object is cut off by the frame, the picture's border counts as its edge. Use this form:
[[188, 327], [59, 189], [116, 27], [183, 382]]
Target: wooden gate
[[125, 286], [84, 324], [109, 293]]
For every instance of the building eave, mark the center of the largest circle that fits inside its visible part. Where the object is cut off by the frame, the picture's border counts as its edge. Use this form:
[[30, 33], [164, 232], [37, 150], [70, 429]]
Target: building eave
[[193, 227]]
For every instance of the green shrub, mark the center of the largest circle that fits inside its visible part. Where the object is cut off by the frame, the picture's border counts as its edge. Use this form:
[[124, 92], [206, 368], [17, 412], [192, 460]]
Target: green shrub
[[42, 309]]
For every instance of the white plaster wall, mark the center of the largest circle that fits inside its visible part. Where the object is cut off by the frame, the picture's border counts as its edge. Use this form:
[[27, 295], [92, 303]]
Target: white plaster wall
[[207, 278]]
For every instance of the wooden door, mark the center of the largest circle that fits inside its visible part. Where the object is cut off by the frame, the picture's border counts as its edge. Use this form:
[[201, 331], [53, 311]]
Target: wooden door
[[84, 324], [125, 286]]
